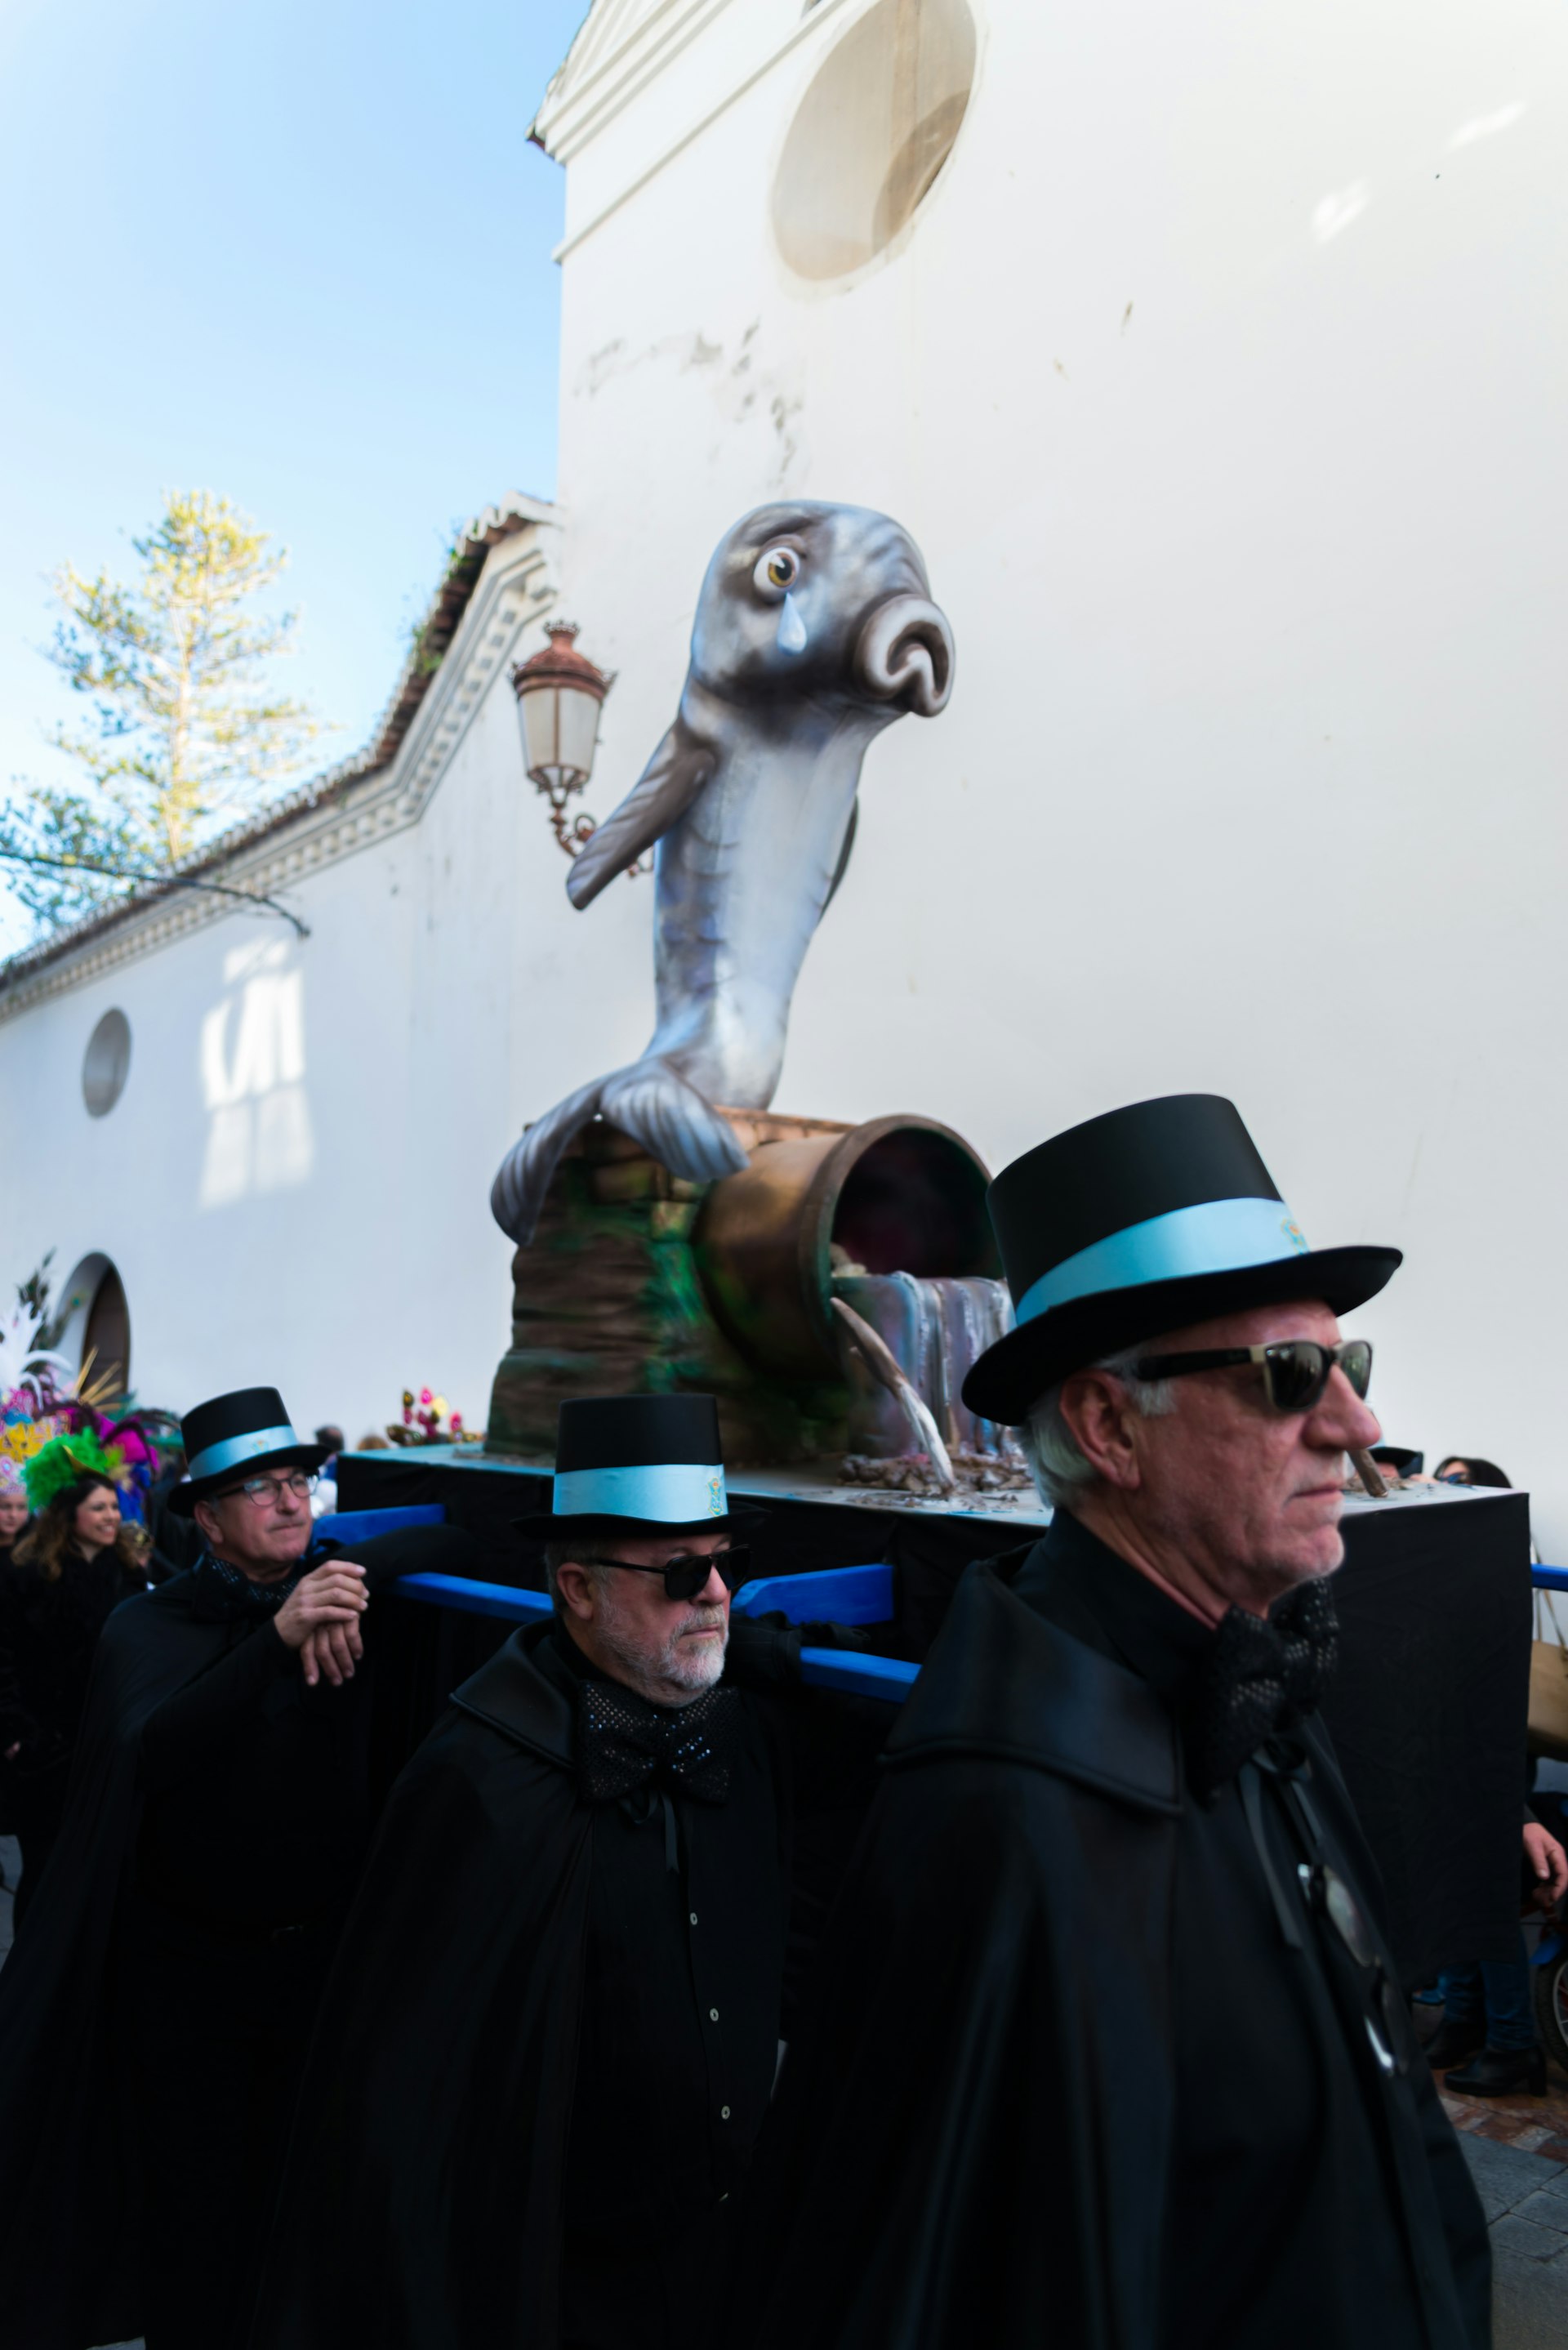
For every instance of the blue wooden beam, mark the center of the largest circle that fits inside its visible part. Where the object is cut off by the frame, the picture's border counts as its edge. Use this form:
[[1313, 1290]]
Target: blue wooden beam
[[831, 1594], [501, 1599], [887, 1678], [363, 1525]]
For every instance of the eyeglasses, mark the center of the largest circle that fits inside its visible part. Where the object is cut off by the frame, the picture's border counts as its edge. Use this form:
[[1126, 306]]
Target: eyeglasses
[[685, 1577], [1295, 1371], [260, 1490]]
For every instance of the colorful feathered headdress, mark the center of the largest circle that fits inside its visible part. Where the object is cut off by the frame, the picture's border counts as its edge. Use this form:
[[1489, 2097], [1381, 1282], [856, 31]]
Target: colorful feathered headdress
[[63, 1461], [47, 1412]]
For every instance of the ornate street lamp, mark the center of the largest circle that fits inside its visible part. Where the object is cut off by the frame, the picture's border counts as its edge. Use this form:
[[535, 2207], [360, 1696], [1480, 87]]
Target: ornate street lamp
[[559, 693]]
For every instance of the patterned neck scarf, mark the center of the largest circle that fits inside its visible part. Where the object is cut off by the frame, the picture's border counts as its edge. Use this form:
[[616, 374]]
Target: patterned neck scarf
[[221, 1594]]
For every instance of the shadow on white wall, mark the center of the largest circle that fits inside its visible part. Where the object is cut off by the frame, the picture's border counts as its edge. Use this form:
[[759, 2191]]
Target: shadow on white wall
[[259, 1135]]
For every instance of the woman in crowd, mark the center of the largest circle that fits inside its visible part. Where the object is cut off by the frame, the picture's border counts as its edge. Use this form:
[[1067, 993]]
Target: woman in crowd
[[1469, 1468], [13, 1511], [75, 1563]]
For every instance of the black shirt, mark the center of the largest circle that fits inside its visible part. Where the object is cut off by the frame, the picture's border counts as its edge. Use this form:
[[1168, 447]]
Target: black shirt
[[1283, 2224], [682, 1989]]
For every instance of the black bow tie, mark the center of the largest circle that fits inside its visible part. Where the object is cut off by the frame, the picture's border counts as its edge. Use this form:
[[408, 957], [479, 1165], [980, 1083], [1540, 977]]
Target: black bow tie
[[623, 1743], [1262, 1676]]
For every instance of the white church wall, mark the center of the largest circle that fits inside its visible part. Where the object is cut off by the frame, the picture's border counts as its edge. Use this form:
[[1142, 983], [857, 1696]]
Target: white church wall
[[1215, 379]]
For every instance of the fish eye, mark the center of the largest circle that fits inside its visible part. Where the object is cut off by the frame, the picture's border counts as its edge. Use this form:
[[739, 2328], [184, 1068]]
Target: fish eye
[[778, 568]]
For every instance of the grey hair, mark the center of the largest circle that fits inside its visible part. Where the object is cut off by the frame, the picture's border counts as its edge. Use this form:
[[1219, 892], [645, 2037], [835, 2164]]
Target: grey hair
[[558, 1554], [1051, 1448]]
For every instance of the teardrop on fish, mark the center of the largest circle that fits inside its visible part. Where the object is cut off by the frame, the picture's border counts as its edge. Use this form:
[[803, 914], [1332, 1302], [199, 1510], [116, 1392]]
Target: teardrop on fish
[[792, 628]]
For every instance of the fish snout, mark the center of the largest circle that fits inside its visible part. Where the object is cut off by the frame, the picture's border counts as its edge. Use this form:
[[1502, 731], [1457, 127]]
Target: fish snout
[[904, 654]]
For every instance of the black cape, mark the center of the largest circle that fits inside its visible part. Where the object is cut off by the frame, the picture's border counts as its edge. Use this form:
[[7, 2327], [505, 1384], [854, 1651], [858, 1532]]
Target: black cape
[[974, 2141], [69, 2200], [423, 2205]]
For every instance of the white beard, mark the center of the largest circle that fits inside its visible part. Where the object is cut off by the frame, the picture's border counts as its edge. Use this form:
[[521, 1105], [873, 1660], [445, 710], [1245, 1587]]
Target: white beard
[[677, 1671]]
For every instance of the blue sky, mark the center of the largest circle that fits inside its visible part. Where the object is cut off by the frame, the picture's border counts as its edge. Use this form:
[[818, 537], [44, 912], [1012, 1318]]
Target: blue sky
[[296, 255]]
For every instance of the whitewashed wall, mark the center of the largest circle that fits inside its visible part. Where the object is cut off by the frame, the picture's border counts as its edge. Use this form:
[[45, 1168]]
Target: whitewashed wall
[[293, 1183], [1251, 777]]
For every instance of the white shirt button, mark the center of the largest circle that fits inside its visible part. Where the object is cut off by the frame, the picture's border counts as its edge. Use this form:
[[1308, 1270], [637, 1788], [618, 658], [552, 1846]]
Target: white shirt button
[[723, 2113], [694, 1917], [713, 2015]]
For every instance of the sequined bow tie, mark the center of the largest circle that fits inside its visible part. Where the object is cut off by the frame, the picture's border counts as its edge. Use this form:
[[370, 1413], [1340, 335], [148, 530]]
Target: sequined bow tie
[[1261, 1677], [623, 1743]]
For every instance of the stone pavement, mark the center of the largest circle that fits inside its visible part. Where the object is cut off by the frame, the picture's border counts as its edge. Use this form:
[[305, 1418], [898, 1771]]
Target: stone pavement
[[1525, 2198], [1518, 2151]]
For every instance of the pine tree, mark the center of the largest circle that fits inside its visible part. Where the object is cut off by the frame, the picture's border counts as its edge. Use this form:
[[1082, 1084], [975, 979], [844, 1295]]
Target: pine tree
[[183, 733]]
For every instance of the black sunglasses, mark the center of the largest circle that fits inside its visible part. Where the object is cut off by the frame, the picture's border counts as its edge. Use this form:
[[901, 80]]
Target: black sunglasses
[[685, 1577], [1295, 1371]]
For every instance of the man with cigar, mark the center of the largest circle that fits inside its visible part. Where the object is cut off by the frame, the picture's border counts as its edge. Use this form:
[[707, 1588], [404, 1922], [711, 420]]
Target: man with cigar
[[156, 2011], [553, 2025], [1107, 2047]]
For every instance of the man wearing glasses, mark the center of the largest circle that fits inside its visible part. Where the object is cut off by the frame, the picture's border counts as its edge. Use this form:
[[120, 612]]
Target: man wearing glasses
[[1107, 2048], [155, 2014], [554, 2024]]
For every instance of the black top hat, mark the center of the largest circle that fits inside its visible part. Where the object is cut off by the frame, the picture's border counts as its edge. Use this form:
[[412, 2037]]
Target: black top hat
[[237, 1435], [648, 1462], [1145, 1221]]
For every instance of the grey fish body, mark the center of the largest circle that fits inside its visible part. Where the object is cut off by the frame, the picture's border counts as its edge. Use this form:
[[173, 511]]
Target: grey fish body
[[815, 630]]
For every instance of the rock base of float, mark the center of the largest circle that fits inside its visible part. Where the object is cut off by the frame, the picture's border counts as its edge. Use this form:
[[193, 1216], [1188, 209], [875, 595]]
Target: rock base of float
[[607, 1300], [916, 1472]]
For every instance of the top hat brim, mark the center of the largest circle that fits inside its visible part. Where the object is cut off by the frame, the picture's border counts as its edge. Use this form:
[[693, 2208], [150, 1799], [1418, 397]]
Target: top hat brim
[[551, 1526], [182, 1501], [1010, 1378]]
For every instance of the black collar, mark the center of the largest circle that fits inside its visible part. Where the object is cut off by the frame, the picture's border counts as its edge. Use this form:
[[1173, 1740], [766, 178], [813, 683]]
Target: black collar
[[1076, 1580], [1004, 1683], [525, 1693]]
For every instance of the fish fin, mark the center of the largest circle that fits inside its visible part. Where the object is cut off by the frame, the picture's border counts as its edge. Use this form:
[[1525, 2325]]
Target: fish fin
[[659, 799], [525, 1174], [673, 1122], [842, 867]]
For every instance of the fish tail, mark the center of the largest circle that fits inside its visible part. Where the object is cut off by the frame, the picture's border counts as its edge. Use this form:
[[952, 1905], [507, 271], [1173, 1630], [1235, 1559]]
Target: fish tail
[[525, 1174], [674, 1123], [648, 1101]]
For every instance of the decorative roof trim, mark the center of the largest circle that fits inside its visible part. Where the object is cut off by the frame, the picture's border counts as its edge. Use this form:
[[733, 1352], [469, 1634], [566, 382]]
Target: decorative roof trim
[[569, 140], [618, 48], [487, 603]]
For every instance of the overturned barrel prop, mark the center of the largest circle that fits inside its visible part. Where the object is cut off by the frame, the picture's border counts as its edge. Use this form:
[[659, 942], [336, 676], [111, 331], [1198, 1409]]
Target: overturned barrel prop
[[898, 1195]]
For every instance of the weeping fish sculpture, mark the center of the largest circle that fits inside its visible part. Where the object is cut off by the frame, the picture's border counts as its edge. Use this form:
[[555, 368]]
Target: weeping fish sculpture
[[815, 630]]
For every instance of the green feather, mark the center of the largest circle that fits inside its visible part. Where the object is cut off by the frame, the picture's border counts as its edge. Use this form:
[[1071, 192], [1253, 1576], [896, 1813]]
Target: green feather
[[61, 1462]]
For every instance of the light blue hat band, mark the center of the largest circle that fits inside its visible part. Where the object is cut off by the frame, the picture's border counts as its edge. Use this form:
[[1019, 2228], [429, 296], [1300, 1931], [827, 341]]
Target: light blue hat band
[[1214, 1236], [233, 1451], [670, 1492]]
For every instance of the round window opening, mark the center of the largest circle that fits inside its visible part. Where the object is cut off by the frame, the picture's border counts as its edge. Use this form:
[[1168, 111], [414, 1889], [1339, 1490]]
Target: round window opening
[[872, 133], [108, 1064]]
